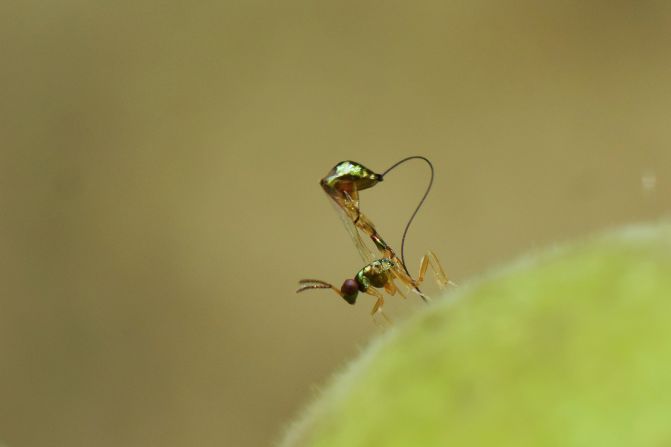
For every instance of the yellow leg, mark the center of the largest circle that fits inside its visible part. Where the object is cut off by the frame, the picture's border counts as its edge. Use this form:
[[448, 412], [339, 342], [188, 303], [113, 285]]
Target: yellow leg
[[392, 289], [366, 225], [400, 274], [377, 307], [430, 259]]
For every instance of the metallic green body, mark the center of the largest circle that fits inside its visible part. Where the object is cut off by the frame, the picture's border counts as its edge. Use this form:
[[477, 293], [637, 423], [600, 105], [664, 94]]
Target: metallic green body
[[375, 274], [349, 176]]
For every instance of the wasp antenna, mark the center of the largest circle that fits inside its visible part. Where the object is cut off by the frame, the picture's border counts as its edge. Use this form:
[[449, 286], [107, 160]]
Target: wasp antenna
[[307, 284], [421, 202], [314, 281]]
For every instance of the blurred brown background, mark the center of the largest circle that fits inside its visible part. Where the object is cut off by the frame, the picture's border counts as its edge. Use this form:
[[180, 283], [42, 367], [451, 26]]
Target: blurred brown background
[[159, 192]]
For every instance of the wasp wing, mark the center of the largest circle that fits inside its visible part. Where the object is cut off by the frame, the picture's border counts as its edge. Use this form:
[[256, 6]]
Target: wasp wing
[[367, 254]]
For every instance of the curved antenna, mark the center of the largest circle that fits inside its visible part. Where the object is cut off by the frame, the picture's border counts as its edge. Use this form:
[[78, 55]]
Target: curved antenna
[[421, 202]]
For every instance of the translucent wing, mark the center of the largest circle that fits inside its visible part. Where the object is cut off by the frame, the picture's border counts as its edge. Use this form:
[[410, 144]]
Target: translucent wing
[[366, 253]]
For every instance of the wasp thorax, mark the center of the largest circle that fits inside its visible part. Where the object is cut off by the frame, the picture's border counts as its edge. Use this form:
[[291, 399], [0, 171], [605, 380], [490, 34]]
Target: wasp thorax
[[349, 290]]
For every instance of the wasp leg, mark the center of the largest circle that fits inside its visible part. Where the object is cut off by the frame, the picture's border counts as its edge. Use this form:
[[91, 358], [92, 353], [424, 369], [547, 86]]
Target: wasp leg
[[352, 206], [364, 224], [406, 279], [377, 307], [392, 289], [430, 259]]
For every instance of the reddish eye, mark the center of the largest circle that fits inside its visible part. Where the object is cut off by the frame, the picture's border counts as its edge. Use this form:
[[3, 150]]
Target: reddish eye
[[349, 290]]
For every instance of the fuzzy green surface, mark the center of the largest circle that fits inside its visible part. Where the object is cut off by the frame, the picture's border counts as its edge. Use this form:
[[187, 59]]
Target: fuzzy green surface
[[567, 348]]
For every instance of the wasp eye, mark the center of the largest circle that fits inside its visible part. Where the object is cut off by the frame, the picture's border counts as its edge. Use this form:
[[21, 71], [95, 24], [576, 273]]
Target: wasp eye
[[350, 290]]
